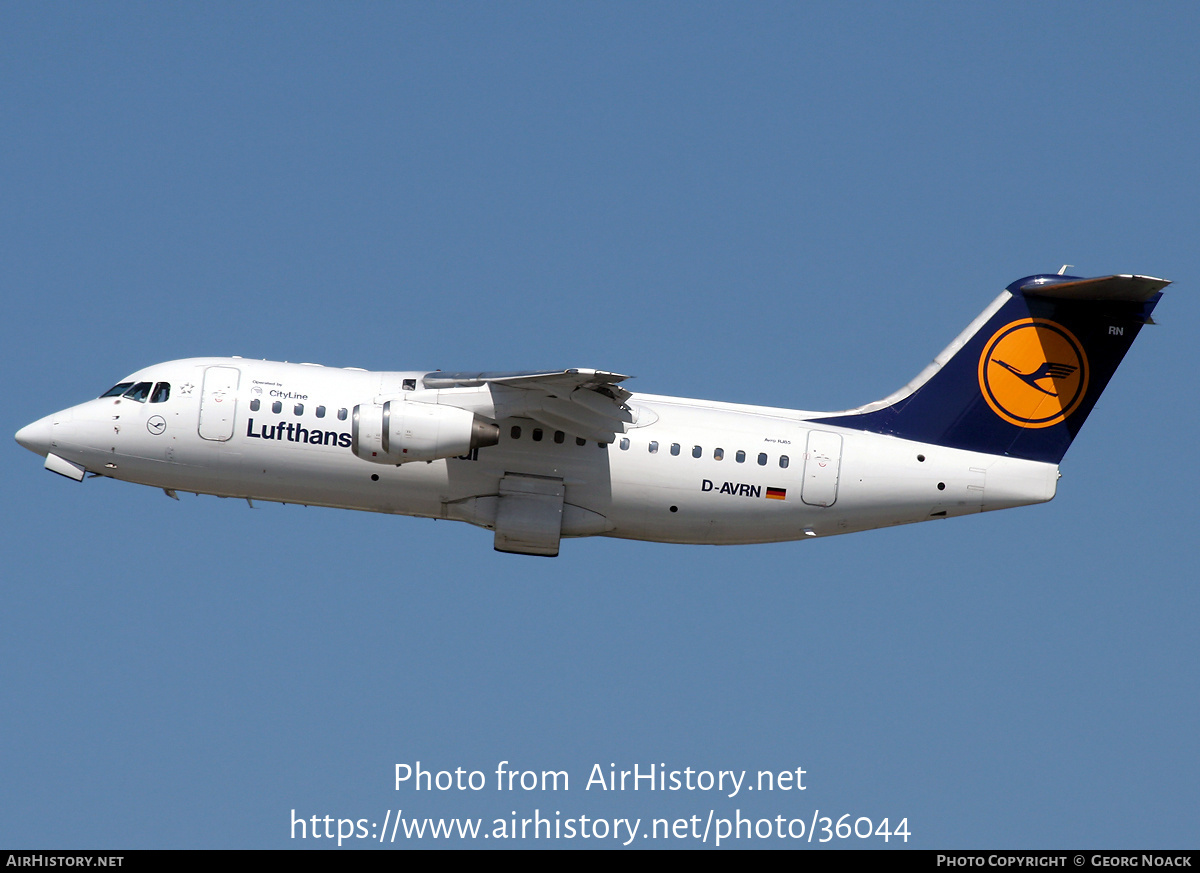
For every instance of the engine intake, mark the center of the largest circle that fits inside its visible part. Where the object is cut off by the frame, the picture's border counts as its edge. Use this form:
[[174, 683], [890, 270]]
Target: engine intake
[[401, 431]]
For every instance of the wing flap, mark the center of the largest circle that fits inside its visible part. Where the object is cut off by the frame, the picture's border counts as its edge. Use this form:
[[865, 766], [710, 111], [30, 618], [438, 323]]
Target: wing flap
[[551, 380], [583, 403], [597, 432]]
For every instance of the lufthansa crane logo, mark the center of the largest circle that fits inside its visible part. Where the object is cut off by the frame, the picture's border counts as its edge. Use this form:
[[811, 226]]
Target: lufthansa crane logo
[[1033, 373]]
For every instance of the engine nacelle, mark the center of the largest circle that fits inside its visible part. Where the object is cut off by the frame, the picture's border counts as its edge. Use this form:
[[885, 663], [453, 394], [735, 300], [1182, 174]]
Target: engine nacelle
[[400, 431]]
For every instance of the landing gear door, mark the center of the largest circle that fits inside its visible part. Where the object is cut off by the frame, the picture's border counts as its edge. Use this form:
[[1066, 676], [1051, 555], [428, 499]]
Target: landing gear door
[[218, 402], [529, 516], [822, 461]]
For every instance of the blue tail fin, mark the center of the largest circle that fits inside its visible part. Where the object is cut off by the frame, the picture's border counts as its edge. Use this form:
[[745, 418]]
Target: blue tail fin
[[1022, 378]]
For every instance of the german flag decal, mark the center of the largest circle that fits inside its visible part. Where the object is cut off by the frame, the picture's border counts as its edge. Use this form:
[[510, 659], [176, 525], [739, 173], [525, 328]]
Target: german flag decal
[[777, 493]]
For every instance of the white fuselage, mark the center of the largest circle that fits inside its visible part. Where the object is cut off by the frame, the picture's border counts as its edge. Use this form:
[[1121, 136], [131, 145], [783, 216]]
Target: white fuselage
[[718, 473]]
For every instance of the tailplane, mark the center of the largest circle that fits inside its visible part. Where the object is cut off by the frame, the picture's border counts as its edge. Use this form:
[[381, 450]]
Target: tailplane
[[1023, 376]]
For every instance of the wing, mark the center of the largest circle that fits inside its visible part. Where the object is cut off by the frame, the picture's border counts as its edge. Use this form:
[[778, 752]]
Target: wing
[[583, 403]]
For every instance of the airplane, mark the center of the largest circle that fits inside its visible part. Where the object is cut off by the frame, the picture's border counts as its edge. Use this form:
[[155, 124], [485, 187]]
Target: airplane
[[542, 455]]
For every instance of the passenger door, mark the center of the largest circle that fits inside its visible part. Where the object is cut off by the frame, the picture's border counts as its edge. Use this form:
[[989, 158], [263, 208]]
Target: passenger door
[[218, 402]]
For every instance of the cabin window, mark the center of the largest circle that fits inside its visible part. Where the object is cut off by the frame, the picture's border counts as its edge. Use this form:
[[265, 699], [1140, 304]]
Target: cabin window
[[559, 436], [162, 391], [783, 461], [341, 414], [762, 459], [654, 447], [139, 392], [117, 390], [625, 444], [277, 407], [320, 412], [537, 434], [674, 448], [515, 433], [697, 451], [580, 441], [298, 409], [254, 404], [740, 457], [718, 454]]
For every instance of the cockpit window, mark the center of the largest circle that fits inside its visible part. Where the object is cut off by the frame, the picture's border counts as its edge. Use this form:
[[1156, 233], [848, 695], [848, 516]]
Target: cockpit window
[[117, 390], [162, 391], [139, 392]]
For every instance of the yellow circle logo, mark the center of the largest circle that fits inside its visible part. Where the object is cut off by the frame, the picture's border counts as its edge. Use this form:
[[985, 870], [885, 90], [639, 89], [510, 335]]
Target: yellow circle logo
[[1033, 373]]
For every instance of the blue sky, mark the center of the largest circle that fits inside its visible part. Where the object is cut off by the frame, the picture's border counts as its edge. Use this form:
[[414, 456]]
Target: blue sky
[[785, 204]]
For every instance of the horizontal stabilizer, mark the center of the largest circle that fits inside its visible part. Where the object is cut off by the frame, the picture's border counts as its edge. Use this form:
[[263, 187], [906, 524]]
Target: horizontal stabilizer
[[1137, 289]]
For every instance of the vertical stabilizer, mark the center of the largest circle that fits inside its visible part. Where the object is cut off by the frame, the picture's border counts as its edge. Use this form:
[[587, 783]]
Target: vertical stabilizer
[[1024, 376]]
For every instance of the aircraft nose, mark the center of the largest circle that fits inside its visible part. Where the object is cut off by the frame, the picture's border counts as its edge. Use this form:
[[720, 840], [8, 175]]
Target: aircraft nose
[[36, 436]]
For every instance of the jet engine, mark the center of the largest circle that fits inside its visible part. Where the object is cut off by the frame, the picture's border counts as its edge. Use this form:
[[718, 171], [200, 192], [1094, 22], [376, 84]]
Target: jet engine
[[400, 431]]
